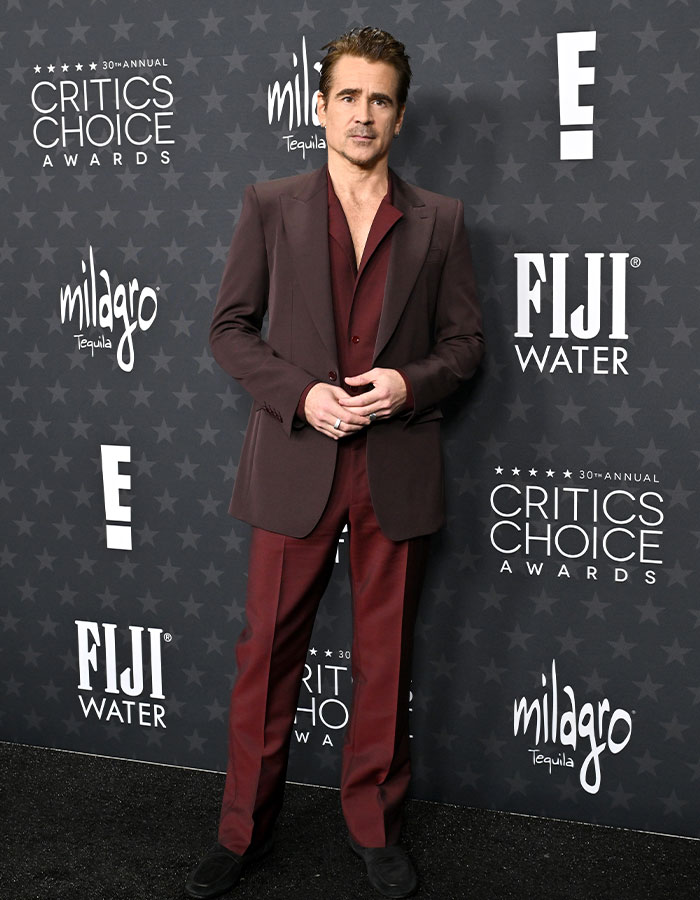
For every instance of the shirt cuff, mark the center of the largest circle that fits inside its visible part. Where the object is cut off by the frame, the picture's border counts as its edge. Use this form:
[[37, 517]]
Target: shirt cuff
[[409, 403], [302, 401]]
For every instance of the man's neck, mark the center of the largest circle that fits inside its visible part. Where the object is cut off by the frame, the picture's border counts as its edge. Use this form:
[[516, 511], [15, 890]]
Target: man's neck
[[355, 182]]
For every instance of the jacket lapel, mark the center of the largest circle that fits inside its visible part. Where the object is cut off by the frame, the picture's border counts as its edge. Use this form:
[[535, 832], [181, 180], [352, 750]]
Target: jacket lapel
[[305, 217], [409, 246]]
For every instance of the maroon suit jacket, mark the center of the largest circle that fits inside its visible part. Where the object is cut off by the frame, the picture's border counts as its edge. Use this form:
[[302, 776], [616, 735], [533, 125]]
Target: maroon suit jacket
[[430, 328]]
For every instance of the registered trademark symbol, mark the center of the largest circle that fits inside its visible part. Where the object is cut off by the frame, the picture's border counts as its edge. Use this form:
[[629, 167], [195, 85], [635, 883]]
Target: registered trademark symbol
[[167, 637], [635, 262]]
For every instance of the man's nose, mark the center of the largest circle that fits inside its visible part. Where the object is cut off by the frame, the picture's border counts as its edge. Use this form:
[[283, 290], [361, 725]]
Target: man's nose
[[363, 112]]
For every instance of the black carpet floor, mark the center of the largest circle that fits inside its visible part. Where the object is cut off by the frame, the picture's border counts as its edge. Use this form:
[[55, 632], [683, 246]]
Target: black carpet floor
[[80, 827]]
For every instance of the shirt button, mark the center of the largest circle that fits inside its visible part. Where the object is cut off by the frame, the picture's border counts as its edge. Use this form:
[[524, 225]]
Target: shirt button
[[355, 339], [333, 375]]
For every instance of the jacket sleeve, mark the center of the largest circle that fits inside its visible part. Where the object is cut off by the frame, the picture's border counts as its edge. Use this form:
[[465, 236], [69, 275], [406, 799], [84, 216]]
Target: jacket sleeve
[[235, 334], [458, 339]]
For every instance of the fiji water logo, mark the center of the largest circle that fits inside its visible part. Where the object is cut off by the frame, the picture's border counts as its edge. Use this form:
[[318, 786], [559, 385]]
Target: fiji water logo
[[586, 323], [114, 692], [558, 720]]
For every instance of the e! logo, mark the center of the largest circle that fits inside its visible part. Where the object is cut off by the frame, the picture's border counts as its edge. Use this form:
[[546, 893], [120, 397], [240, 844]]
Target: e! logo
[[118, 536], [574, 144]]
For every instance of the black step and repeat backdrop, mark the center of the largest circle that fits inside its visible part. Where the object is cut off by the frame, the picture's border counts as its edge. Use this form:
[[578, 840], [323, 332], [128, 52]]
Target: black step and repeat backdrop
[[557, 666]]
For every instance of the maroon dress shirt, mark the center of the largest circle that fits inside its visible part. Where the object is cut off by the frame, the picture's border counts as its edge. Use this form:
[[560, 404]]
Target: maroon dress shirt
[[358, 293]]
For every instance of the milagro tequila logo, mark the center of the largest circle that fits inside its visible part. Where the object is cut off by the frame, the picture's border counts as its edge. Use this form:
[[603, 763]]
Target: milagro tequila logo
[[585, 324], [558, 720], [120, 690], [294, 102], [123, 305]]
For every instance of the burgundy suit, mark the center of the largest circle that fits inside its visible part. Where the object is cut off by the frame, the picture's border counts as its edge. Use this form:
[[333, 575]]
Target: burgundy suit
[[430, 328], [411, 307]]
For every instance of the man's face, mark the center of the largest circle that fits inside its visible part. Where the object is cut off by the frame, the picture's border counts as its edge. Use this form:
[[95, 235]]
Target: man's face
[[361, 112]]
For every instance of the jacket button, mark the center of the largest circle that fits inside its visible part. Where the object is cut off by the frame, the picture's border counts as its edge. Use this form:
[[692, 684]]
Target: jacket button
[[333, 375], [355, 339]]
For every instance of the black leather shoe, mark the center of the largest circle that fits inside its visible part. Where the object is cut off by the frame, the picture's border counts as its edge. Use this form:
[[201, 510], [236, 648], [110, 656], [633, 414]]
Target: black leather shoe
[[389, 869], [220, 870]]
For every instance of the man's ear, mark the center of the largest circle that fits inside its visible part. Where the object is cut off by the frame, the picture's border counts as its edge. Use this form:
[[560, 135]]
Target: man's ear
[[399, 118], [320, 104]]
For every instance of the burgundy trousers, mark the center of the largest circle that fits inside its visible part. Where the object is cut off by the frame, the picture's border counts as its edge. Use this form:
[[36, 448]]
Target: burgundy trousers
[[286, 580]]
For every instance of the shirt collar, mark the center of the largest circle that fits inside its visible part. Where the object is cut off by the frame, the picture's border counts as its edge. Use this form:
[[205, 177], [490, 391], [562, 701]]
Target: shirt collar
[[385, 218]]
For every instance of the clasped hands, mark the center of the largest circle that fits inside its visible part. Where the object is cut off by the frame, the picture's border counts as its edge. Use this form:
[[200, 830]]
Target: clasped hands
[[337, 414]]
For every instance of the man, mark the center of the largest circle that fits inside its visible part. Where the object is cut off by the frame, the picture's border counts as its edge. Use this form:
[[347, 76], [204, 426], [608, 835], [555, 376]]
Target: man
[[373, 320]]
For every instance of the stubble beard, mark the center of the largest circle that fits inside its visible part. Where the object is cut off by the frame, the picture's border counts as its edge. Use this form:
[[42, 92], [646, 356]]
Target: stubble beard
[[363, 162]]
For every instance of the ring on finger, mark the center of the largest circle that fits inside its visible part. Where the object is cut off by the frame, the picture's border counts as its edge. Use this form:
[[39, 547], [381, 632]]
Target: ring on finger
[[336, 424], [372, 416]]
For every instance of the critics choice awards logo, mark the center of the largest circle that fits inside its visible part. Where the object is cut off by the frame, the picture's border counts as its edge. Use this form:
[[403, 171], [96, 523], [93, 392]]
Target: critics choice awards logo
[[107, 106], [323, 709], [609, 529], [323, 699]]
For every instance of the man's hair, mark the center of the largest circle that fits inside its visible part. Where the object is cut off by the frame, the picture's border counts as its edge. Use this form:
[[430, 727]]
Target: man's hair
[[372, 44]]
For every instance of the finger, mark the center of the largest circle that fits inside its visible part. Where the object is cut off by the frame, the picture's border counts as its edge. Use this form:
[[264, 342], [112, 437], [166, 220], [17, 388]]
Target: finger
[[379, 414], [332, 390], [350, 417], [356, 421], [359, 401], [379, 408], [343, 421], [328, 430], [338, 433], [327, 415], [356, 424], [362, 378]]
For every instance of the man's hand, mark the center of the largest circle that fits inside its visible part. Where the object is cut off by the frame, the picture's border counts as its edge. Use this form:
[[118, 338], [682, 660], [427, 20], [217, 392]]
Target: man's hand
[[387, 396], [322, 409]]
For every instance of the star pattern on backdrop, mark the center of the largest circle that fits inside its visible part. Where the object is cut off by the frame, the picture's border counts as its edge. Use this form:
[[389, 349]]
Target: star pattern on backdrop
[[482, 125]]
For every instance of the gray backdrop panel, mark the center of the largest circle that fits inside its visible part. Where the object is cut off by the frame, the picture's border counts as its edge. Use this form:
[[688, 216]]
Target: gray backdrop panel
[[532, 447]]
